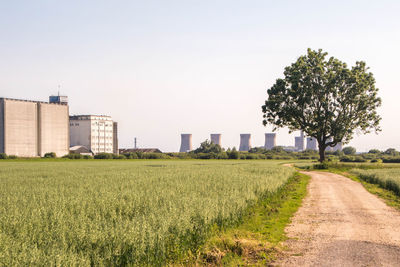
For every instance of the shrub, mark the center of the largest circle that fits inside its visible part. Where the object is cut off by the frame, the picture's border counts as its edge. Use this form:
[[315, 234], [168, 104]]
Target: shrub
[[118, 156], [12, 157], [3, 156], [87, 157], [234, 154], [391, 160], [321, 166], [103, 156], [131, 155], [50, 155]]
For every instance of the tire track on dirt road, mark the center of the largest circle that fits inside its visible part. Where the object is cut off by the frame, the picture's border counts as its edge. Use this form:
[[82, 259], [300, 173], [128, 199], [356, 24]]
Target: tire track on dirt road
[[341, 224]]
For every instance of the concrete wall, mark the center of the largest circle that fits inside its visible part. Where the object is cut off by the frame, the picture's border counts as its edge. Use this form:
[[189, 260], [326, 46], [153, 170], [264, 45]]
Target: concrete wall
[[80, 133], [1, 125], [21, 128], [54, 129]]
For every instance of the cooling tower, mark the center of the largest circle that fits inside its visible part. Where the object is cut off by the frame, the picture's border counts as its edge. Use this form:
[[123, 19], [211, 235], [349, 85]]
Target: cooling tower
[[216, 139], [186, 143], [270, 140], [299, 142], [245, 144], [311, 143]]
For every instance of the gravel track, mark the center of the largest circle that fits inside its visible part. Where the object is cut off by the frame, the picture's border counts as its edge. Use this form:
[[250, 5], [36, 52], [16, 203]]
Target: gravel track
[[341, 224]]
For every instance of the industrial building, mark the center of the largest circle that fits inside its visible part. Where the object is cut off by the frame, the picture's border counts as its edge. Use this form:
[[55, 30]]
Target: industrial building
[[98, 133], [245, 142], [186, 143], [216, 139], [34, 128], [270, 141]]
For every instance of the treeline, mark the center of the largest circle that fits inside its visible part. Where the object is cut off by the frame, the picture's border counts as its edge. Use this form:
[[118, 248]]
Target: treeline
[[208, 150]]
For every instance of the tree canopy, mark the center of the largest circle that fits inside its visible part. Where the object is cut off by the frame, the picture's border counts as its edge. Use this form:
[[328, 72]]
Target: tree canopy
[[324, 98]]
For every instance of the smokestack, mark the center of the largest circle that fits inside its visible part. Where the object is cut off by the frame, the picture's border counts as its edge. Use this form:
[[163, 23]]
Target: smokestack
[[186, 143], [270, 140], [216, 139], [245, 144], [311, 143]]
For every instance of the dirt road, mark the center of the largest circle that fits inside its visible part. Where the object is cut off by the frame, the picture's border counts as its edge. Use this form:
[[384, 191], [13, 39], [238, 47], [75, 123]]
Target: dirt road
[[341, 224]]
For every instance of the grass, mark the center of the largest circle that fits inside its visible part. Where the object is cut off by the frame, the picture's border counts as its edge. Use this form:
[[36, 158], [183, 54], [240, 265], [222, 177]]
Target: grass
[[257, 241], [131, 212]]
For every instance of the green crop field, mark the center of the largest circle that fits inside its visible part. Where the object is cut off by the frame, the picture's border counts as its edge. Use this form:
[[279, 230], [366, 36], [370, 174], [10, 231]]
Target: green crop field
[[113, 212], [387, 178]]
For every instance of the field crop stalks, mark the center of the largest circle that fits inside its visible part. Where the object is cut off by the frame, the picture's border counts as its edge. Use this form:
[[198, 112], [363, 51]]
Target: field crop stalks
[[258, 240]]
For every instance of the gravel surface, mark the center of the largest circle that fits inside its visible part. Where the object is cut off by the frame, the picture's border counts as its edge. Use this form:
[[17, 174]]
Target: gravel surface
[[341, 224]]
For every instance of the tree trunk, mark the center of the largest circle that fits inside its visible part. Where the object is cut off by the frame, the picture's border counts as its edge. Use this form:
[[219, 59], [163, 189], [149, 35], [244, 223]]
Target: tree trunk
[[322, 153]]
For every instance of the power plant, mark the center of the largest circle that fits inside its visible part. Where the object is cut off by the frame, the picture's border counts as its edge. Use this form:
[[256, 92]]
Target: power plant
[[216, 139], [311, 143], [270, 141], [245, 142], [186, 143], [34, 128]]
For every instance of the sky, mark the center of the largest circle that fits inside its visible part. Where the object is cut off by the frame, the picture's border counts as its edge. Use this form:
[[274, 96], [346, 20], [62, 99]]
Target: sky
[[162, 68]]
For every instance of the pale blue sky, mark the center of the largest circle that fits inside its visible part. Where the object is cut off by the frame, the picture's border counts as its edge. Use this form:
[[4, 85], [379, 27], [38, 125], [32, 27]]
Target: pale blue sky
[[161, 68]]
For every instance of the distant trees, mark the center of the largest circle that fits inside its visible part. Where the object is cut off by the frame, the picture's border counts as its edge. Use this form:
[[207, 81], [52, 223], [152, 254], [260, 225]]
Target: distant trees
[[208, 147], [325, 99], [349, 150]]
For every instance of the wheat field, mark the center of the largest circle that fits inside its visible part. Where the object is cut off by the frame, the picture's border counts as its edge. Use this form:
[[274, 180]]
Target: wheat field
[[113, 212]]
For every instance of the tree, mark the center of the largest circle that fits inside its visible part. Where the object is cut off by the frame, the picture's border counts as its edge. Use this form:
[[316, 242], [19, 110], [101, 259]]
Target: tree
[[374, 151], [349, 150], [208, 147], [325, 99]]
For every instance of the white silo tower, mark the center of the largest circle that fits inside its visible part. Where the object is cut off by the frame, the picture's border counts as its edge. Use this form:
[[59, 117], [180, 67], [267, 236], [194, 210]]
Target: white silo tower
[[311, 143]]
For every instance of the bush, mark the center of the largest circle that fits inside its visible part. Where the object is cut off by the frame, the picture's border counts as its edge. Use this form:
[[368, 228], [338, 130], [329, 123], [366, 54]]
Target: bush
[[131, 155], [118, 156], [12, 157], [73, 156], [391, 160], [103, 156], [50, 155], [3, 156], [321, 166], [234, 154], [349, 150], [87, 157]]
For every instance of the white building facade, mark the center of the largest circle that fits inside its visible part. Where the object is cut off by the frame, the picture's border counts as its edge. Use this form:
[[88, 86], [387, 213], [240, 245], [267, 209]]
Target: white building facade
[[95, 132]]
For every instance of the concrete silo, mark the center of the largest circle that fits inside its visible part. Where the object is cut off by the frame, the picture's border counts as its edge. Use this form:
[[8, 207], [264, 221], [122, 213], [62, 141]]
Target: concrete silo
[[216, 139], [245, 143], [299, 142], [186, 143], [270, 140]]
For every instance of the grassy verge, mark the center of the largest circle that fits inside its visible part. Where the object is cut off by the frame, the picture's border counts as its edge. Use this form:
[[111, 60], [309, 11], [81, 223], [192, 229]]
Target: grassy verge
[[390, 198], [257, 241]]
